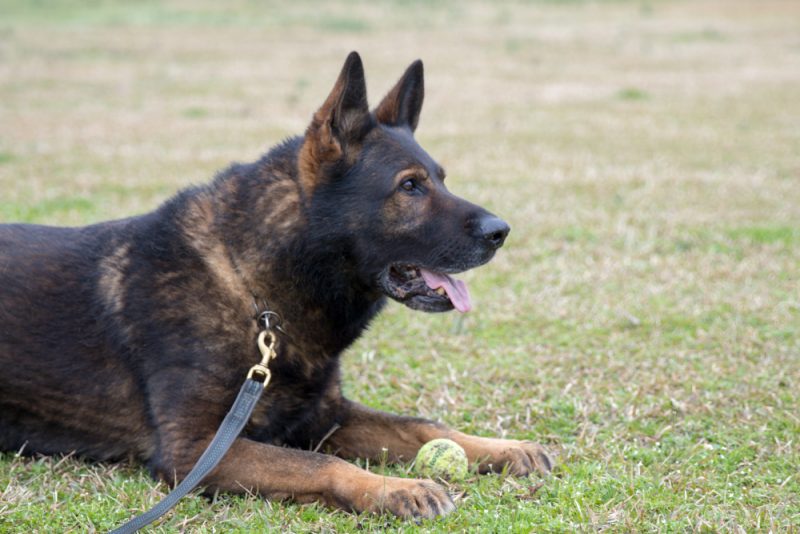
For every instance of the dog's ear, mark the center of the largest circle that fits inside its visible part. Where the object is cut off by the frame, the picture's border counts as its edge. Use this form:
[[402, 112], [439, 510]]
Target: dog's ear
[[344, 118], [402, 105], [338, 127]]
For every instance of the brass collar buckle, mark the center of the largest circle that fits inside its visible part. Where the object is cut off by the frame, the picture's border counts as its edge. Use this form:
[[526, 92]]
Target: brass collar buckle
[[266, 341], [266, 344]]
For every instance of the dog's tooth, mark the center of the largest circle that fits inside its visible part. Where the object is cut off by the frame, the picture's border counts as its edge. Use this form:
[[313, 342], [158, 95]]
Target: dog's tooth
[[441, 291]]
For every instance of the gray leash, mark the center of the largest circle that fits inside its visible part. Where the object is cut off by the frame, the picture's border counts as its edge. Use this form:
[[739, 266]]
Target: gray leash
[[257, 379]]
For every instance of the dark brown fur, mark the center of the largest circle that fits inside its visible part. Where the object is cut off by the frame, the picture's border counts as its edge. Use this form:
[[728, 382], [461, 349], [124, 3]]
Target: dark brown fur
[[131, 338]]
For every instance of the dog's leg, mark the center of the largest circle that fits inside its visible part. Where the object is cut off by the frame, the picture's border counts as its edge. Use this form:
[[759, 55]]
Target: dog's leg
[[367, 433], [303, 476]]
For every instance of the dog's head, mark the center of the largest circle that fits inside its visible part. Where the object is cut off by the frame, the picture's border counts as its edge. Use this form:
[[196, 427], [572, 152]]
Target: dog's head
[[373, 188]]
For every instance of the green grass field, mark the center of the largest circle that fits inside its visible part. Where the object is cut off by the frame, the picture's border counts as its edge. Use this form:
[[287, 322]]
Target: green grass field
[[642, 320]]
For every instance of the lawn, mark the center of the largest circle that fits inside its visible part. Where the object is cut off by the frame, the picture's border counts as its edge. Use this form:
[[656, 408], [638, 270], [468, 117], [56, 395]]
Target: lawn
[[643, 318]]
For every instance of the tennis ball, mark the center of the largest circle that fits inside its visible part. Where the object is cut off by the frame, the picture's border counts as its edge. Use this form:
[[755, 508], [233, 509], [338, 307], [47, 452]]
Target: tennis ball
[[442, 458]]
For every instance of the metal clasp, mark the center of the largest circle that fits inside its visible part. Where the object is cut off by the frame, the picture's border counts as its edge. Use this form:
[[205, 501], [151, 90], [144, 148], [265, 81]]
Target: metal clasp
[[266, 344]]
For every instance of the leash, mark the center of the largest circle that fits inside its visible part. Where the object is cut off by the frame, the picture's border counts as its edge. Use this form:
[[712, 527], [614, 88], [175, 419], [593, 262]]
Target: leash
[[258, 378]]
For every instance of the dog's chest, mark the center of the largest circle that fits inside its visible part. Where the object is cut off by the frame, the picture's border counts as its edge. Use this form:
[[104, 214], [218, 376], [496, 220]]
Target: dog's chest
[[300, 402]]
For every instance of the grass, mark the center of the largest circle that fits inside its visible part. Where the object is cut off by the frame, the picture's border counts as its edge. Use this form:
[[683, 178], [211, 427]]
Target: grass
[[642, 320]]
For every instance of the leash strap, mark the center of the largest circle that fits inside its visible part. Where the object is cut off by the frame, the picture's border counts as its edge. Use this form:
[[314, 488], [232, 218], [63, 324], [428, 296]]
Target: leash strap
[[257, 380], [229, 430]]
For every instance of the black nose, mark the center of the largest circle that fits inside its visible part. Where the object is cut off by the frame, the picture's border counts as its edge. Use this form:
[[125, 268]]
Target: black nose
[[493, 230]]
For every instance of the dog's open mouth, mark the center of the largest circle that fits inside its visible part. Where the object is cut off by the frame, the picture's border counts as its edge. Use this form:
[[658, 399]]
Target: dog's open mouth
[[423, 289]]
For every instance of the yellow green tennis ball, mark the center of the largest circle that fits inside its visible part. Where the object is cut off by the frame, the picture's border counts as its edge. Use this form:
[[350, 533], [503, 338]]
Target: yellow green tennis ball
[[442, 458]]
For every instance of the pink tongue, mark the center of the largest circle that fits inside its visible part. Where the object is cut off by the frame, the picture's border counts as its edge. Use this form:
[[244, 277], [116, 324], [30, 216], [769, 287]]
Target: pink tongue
[[455, 289]]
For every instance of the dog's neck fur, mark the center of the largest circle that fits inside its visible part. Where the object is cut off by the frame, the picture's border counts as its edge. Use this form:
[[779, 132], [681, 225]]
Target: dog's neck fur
[[282, 255]]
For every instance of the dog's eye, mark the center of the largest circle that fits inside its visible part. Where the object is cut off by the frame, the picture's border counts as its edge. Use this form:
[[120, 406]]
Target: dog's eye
[[409, 185]]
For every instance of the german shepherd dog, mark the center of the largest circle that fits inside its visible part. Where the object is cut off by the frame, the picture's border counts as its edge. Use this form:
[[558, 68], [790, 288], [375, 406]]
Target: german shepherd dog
[[131, 338]]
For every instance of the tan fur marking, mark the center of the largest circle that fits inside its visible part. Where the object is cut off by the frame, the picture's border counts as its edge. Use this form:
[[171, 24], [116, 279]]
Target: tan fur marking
[[286, 213], [320, 147], [198, 226], [368, 433], [281, 473], [415, 171], [387, 110], [112, 277]]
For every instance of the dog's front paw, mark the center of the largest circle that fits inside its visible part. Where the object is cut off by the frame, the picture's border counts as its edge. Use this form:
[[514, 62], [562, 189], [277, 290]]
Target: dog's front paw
[[520, 458], [516, 457], [409, 498]]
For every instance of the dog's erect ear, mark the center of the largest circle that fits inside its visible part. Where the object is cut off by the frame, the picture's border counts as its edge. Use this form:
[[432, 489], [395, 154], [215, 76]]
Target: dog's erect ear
[[402, 105], [344, 117], [338, 127]]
